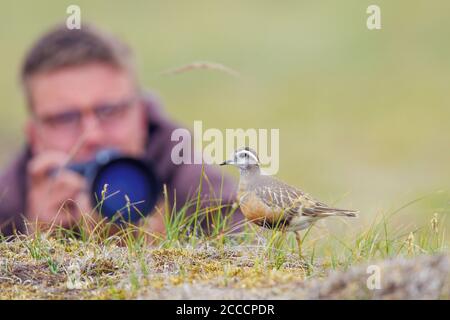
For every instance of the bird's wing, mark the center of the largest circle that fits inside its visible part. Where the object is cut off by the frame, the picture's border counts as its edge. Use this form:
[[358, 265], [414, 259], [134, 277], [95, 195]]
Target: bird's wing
[[280, 196], [292, 201]]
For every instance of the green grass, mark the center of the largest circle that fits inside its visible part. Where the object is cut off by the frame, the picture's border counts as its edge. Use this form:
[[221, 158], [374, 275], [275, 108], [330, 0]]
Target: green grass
[[360, 115], [93, 263]]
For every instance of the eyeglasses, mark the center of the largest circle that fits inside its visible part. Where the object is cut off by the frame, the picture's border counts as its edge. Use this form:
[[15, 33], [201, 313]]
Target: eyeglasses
[[104, 112]]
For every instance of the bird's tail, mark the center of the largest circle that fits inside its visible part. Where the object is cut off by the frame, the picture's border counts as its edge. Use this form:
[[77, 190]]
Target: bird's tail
[[345, 212], [322, 210]]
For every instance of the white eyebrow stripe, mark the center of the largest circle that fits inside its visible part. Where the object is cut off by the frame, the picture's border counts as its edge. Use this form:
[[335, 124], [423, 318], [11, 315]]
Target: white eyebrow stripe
[[249, 153]]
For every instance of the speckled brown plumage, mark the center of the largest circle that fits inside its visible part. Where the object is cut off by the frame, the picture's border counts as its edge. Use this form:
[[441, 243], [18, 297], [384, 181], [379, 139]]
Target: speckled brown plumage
[[272, 203]]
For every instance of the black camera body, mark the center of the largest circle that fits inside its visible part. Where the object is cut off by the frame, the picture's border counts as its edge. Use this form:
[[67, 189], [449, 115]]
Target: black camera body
[[122, 188]]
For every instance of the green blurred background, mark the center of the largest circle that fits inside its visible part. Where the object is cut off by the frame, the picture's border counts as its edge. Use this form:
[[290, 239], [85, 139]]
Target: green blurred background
[[363, 115]]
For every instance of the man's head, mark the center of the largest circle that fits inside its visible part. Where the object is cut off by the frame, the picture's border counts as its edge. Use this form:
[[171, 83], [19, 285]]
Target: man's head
[[83, 94]]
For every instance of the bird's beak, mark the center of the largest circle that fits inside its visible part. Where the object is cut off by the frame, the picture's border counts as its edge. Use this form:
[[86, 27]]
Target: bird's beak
[[226, 162]]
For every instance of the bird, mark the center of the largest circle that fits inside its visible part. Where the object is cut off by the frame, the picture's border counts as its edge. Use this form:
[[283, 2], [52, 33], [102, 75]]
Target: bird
[[273, 204]]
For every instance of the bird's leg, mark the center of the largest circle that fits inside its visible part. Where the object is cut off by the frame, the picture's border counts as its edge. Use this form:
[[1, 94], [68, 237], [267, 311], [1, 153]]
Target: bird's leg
[[298, 236]]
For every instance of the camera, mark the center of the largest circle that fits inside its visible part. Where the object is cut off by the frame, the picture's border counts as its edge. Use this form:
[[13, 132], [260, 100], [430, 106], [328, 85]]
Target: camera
[[122, 188]]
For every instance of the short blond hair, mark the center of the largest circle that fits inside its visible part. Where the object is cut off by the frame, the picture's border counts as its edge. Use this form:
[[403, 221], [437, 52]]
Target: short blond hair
[[61, 47]]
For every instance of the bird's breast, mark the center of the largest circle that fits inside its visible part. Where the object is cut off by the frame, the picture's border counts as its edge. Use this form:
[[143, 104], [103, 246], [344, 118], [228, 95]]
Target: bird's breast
[[255, 210]]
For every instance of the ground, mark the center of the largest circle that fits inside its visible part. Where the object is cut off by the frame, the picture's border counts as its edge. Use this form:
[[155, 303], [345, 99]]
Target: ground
[[385, 259], [47, 268]]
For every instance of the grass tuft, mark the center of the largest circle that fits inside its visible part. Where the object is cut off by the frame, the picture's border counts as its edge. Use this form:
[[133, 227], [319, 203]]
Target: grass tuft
[[99, 260]]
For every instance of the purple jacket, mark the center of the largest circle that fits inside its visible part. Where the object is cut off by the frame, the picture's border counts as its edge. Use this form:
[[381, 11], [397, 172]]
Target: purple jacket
[[181, 180]]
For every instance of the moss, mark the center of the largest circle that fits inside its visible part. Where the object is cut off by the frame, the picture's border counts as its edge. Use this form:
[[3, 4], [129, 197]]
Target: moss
[[59, 268]]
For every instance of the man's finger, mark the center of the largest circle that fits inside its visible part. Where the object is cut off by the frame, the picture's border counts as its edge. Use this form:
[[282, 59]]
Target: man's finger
[[68, 180], [40, 166], [55, 195]]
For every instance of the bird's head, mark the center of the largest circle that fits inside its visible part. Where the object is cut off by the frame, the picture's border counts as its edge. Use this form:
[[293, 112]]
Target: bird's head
[[243, 158]]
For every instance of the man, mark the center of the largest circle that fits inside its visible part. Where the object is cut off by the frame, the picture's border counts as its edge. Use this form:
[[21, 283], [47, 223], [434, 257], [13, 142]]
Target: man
[[83, 96]]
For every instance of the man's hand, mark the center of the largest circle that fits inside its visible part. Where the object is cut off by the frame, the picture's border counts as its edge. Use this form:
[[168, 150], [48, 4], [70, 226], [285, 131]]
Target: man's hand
[[56, 197], [153, 225]]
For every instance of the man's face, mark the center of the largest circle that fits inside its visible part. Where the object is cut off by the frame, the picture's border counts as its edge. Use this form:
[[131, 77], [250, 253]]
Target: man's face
[[88, 108]]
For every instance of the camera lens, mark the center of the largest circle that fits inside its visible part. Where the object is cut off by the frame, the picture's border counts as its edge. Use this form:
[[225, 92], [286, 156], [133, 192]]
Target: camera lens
[[132, 189]]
